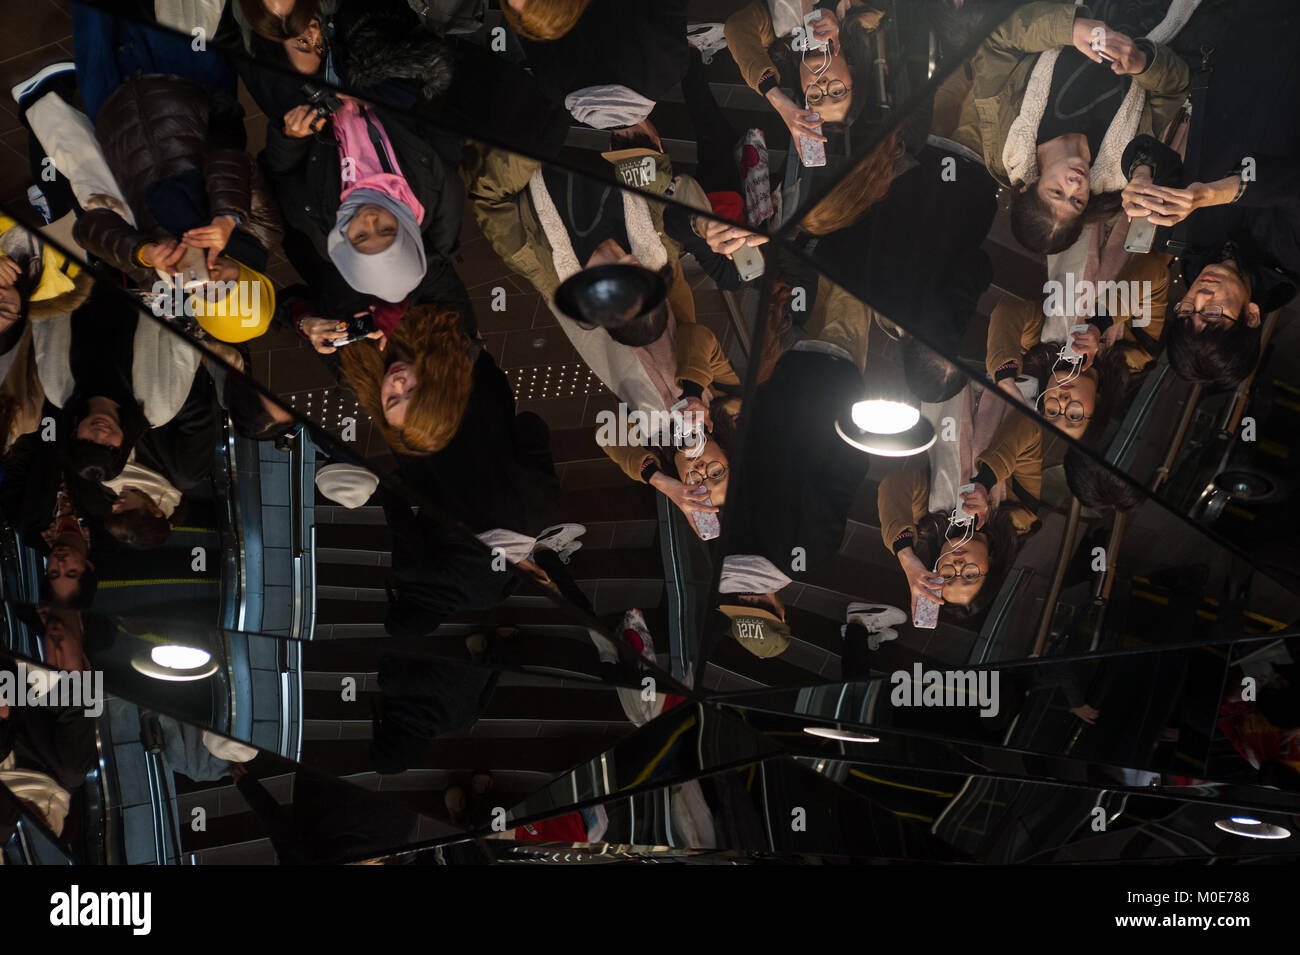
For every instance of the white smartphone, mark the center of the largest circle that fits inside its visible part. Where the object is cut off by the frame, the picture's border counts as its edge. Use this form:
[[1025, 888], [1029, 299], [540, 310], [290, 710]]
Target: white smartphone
[[810, 40], [1067, 352], [193, 266], [960, 516], [749, 262], [1141, 234]]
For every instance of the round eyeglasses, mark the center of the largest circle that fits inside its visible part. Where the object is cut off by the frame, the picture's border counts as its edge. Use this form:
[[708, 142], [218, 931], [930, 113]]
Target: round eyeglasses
[[1074, 412], [1210, 313], [835, 91], [969, 572], [714, 473]]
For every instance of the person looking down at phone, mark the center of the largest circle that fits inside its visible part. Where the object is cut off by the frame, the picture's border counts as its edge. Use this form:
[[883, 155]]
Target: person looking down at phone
[[694, 470], [951, 562], [193, 201], [1228, 208], [1078, 398], [822, 62], [1054, 98]]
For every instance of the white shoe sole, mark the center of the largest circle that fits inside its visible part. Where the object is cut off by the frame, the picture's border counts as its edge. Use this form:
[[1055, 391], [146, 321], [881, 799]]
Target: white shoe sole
[[32, 83]]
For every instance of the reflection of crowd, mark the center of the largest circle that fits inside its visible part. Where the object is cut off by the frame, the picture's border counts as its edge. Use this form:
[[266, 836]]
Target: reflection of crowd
[[110, 421]]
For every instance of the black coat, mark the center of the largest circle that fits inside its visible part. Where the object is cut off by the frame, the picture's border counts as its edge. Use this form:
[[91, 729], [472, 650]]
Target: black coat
[[916, 256], [438, 570], [306, 176], [496, 472], [640, 44], [32, 472]]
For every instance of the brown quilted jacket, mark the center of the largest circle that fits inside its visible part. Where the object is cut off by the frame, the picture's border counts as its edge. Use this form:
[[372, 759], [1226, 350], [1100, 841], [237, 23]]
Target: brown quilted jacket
[[156, 126]]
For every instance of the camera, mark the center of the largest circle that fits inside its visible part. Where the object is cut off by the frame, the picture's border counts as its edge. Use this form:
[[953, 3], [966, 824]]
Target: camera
[[322, 101]]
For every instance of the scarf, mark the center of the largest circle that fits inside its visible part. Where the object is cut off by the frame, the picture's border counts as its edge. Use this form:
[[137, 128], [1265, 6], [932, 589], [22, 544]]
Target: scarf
[[952, 463], [635, 375]]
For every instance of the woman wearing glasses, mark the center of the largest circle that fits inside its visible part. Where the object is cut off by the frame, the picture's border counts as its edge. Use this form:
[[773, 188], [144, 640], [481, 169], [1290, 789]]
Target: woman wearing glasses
[[692, 470], [1079, 397], [769, 43], [951, 562]]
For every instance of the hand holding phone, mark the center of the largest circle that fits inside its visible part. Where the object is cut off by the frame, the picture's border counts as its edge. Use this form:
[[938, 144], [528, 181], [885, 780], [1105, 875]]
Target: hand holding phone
[[925, 615]]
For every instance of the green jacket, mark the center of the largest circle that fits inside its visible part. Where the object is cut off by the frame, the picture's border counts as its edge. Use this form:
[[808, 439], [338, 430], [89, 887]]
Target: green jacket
[[1004, 61], [497, 181]]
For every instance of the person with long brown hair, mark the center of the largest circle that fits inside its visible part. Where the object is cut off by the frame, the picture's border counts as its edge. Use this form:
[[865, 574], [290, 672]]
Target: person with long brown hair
[[862, 187], [415, 385]]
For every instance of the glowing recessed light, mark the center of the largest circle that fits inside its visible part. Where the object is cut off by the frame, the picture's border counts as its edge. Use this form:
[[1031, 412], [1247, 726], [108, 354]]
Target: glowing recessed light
[[844, 736], [1252, 828], [882, 416], [179, 658]]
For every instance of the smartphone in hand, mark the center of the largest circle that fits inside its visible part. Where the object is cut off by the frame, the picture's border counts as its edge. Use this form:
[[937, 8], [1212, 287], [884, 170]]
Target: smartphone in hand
[[925, 615], [706, 523]]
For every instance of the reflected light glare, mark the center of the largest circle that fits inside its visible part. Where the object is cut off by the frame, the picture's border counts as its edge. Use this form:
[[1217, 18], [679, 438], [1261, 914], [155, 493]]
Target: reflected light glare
[[1252, 828], [179, 658], [844, 736], [881, 416]]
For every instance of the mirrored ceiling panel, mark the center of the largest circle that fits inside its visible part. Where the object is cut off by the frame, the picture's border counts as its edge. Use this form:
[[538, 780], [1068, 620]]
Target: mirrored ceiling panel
[[533, 430]]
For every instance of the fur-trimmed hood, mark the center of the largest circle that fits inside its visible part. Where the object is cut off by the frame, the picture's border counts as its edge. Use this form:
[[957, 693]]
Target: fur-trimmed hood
[[378, 50], [53, 283], [63, 303]]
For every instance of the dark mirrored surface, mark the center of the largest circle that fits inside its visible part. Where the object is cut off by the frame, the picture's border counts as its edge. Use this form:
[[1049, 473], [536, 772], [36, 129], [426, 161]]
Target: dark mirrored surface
[[538, 430]]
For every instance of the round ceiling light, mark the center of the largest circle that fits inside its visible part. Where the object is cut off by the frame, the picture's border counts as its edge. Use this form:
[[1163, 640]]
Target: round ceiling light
[[1252, 828], [844, 736]]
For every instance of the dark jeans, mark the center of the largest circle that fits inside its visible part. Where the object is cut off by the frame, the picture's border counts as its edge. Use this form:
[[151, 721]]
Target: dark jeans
[[855, 658], [715, 138], [110, 50]]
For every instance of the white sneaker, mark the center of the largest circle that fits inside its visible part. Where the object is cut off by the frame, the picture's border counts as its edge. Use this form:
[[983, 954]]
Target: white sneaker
[[878, 619], [708, 38], [33, 83], [874, 616], [562, 538], [37, 200]]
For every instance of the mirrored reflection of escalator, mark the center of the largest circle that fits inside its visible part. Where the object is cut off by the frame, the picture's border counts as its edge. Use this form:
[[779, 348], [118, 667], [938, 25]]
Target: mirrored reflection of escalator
[[691, 431]]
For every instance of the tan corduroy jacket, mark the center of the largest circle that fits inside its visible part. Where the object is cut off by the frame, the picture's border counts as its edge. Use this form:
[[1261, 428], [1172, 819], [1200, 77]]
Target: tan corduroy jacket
[[1015, 456], [1016, 325], [750, 37], [699, 359]]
